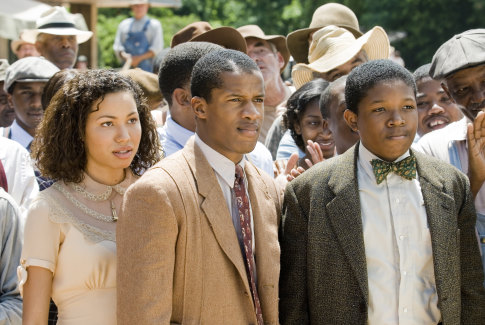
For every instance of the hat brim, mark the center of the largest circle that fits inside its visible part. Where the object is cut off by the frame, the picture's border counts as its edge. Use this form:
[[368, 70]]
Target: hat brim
[[30, 35], [375, 43], [297, 41], [227, 37], [279, 42]]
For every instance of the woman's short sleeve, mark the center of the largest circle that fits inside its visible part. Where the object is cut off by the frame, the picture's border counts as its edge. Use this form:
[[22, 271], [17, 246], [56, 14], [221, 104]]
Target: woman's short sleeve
[[42, 239]]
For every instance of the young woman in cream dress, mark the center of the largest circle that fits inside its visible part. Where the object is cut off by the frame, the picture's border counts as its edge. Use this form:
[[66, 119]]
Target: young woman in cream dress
[[95, 139]]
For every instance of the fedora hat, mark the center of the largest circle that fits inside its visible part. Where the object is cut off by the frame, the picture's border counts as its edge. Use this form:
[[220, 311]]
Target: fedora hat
[[202, 31], [56, 21], [279, 41], [328, 14], [333, 46]]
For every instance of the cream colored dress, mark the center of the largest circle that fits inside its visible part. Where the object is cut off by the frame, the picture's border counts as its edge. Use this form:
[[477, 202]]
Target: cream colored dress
[[65, 234]]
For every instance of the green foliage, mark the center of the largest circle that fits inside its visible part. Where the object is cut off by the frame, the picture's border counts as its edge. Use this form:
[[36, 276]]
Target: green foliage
[[427, 24]]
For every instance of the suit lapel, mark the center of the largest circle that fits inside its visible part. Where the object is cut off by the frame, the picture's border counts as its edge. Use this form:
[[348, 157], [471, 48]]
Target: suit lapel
[[344, 214], [440, 214], [214, 207]]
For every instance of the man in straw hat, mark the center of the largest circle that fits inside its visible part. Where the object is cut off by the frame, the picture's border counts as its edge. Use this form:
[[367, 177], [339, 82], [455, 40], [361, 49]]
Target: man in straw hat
[[139, 38], [460, 65], [329, 14], [56, 37], [23, 49], [271, 55], [334, 52]]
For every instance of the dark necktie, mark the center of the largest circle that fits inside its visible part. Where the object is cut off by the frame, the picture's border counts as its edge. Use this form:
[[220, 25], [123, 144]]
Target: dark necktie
[[245, 220], [405, 168]]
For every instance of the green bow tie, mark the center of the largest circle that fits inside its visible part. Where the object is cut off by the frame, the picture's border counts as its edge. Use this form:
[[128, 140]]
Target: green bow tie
[[405, 168]]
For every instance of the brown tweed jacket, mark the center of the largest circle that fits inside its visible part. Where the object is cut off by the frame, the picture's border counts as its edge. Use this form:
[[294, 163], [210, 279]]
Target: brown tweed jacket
[[179, 259], [323, 267]]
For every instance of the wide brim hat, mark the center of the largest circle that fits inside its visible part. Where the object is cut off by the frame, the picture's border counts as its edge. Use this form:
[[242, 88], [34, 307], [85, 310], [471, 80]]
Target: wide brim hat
[[202, 31], [56, 21], [328, 14], [3, 69], [462, 51], [333, 46], [279, 41], [15, 45]]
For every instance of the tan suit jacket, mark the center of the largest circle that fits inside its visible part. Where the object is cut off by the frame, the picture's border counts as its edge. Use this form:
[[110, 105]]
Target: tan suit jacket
[[179, 259]]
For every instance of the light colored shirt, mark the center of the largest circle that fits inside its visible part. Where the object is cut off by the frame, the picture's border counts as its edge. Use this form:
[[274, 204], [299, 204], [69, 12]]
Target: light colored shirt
[[11, 247], [17, 133], [225, 171], [440, 144], [173, 138], [287, 147], [153, 34], [22, 184], [397, 240]]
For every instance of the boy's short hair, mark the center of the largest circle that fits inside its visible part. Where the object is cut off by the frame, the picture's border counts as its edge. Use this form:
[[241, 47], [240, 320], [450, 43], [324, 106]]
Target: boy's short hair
[[176, 67], [328, 94], [207, 71], [367, 75], [422, 72]]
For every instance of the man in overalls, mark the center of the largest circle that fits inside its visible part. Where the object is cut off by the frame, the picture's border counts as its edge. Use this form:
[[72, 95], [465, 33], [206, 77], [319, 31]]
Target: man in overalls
[[138, 39]]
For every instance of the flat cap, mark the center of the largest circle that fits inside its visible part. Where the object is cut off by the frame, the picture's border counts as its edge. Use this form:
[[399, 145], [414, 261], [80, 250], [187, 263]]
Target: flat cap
[[3, 69], [29, 69], [462, 51]]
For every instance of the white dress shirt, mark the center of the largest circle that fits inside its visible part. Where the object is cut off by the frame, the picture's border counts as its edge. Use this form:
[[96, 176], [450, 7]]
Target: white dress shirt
[[20, 135], [22, 184], [225, 171], [399, 256]]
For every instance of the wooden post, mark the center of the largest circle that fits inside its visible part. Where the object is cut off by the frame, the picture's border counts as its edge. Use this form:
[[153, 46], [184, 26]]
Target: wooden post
[[89, 48]]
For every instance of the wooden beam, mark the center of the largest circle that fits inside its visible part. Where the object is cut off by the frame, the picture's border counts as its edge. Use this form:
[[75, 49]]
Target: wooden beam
[[89, 48]]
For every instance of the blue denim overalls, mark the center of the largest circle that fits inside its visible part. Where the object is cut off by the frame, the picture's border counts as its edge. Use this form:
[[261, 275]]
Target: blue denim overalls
[[137, 44]]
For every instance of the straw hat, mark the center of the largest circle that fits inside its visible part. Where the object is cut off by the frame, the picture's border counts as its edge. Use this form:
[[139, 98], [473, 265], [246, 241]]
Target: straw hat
[[202, 31], [333, 46], [279, 41], [55, 21], [328, 14], [16, 44]]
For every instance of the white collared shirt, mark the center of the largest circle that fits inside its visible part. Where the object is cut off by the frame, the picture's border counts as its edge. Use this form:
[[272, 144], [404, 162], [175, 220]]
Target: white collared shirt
[[22, 184], [399, 256], [225, 171], [20, 135]]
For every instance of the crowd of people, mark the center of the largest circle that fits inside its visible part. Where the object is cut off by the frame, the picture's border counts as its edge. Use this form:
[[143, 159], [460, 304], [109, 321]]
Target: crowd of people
[[197, 186]]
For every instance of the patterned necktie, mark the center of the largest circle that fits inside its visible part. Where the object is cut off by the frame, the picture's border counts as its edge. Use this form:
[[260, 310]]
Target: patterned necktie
[[245, 220], [405, 168]]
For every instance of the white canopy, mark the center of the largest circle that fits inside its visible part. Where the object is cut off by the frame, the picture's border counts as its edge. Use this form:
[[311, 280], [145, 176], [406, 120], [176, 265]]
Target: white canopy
[[17, 15]]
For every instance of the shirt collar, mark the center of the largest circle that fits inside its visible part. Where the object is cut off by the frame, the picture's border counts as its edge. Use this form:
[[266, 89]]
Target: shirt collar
[[365, 157], [177, 132], [220, 163], [20, 135]]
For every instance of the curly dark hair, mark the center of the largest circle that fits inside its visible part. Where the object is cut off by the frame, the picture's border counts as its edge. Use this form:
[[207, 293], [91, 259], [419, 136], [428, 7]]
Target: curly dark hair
[[298, 102], [59, 147], [55, 83]]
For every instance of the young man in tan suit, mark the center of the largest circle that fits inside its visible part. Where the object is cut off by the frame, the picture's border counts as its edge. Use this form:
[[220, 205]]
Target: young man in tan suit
[[194, 246]]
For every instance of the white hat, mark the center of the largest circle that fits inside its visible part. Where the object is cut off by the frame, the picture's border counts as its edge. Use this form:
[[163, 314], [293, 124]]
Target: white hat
[[56, 21], [333, 46]]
